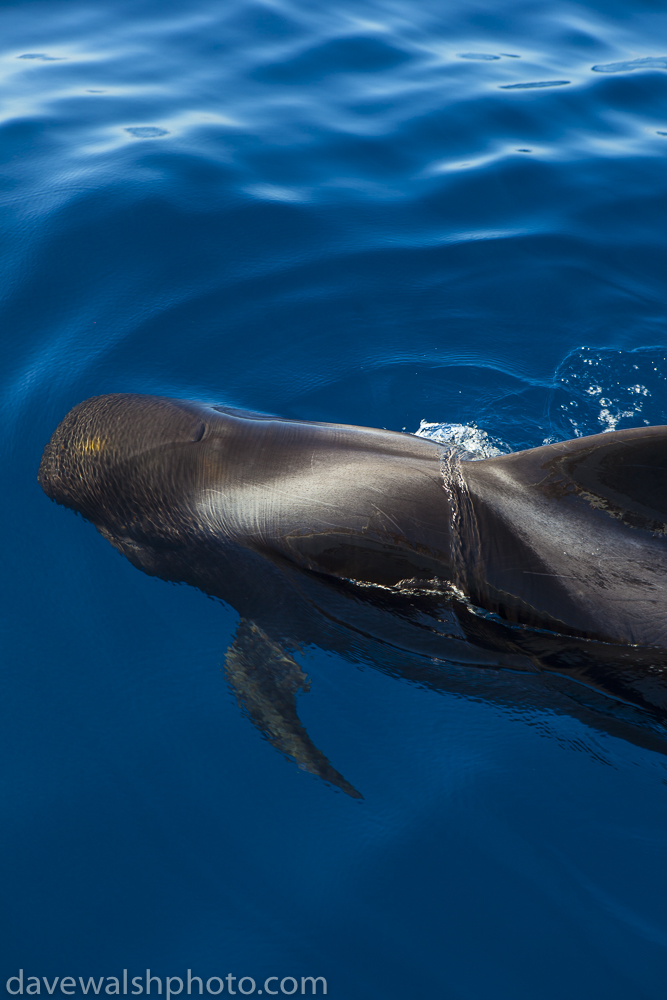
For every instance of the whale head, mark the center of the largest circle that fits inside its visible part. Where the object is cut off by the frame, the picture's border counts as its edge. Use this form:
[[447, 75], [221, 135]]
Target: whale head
[[112, 459]]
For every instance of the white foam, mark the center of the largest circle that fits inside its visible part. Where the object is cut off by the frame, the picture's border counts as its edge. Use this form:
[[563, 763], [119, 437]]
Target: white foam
[[470, 443]]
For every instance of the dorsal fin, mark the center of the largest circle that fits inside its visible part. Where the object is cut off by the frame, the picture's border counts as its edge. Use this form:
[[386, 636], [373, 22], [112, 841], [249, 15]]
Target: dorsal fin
[[573, 536], [624, 473]]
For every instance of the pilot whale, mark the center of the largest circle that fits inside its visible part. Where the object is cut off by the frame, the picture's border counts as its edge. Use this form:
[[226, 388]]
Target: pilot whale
[[549, 563]]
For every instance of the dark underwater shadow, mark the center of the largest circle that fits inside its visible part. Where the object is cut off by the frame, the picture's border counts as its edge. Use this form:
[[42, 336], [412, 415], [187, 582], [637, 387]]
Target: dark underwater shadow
[[441, 644]]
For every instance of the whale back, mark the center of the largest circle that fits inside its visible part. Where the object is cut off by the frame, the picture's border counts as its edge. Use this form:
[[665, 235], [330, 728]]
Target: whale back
[[573, 536]]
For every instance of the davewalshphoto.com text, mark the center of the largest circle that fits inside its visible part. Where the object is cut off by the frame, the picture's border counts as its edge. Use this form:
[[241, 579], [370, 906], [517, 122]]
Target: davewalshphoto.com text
[[173, 985]]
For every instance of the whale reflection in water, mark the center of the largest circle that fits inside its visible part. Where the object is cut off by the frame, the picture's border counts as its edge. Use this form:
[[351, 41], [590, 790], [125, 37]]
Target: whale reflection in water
[[536, 578]]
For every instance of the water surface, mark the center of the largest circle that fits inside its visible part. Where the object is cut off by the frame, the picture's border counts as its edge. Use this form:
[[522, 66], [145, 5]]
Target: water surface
[[380, 213]]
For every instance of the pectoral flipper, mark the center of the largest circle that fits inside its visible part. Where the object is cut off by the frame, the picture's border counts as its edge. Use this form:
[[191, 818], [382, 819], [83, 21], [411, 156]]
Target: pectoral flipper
[[265, 680]]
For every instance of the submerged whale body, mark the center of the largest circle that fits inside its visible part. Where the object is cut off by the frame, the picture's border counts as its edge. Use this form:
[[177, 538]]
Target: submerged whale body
[[546, 568]]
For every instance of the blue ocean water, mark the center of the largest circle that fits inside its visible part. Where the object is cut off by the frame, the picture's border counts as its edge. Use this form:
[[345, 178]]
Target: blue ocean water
[[380, 213]]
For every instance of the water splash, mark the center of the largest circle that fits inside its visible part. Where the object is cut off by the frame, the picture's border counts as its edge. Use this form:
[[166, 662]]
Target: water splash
[[470, 443]]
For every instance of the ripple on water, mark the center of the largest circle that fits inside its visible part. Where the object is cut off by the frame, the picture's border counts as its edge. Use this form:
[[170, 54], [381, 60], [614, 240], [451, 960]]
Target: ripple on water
[[361, 54], [536, 85], [146, 131], [648, 62], [42, 56]]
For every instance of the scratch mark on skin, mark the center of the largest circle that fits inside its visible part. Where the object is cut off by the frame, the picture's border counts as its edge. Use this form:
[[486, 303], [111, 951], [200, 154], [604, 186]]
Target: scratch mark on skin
[[290, 496], [634, 600], [556, 576], [389, 518]]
